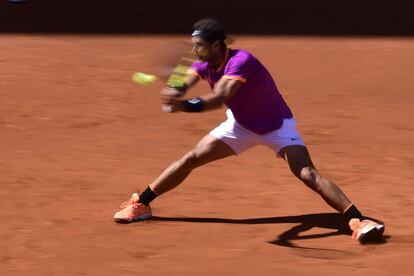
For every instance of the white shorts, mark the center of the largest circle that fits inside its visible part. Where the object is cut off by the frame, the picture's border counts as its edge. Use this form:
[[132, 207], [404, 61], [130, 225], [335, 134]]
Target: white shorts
[[241, 139]]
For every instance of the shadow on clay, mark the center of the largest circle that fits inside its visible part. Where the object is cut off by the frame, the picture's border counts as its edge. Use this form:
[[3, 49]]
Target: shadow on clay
[[332, 221]]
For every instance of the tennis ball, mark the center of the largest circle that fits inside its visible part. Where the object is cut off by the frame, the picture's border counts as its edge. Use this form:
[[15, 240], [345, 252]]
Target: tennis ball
[[143, 79]]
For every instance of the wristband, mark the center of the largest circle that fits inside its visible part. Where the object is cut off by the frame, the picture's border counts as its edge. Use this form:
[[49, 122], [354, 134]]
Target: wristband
[[194, 105]]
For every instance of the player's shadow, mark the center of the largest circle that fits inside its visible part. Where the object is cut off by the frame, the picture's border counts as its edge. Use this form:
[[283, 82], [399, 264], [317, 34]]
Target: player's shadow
[[331, 221]]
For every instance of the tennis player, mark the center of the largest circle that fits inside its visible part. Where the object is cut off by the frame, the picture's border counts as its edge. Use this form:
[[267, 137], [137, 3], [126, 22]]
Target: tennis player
[[257, 114]]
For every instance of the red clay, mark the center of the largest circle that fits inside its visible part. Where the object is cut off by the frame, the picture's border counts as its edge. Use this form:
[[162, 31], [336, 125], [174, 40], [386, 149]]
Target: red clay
[[77, 137]]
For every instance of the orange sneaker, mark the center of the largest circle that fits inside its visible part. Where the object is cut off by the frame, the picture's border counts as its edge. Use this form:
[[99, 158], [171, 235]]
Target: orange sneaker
[[132, 210], [366, 230]]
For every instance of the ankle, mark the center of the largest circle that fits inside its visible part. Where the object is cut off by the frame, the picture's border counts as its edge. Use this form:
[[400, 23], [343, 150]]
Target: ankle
[[352, 212], [147, 196]]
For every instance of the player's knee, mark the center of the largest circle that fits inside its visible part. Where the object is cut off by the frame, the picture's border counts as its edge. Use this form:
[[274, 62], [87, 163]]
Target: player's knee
[[309, 176]]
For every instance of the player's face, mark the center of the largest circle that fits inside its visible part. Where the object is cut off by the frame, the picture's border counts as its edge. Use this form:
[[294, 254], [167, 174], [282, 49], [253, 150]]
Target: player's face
[[201, 48]]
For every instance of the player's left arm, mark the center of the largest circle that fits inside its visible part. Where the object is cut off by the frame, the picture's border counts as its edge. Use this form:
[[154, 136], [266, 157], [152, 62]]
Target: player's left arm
[[224, 89]]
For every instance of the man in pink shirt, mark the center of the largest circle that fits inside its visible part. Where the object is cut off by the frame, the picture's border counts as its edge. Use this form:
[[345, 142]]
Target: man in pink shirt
[[257, 114]]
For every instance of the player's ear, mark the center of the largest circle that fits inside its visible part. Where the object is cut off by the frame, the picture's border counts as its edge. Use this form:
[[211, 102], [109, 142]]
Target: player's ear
[[216, 44]]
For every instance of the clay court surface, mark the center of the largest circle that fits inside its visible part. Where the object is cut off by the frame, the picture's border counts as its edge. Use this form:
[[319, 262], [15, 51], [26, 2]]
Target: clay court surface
[[77, 137]]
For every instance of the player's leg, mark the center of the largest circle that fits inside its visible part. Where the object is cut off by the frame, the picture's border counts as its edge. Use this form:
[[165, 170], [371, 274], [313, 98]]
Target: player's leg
[[301, 165], [207, 150], [225, 140], [287, 143]]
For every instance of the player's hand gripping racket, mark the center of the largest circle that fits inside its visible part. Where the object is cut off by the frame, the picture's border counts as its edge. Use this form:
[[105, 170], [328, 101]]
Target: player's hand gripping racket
[[178, 77], [172, 62]]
